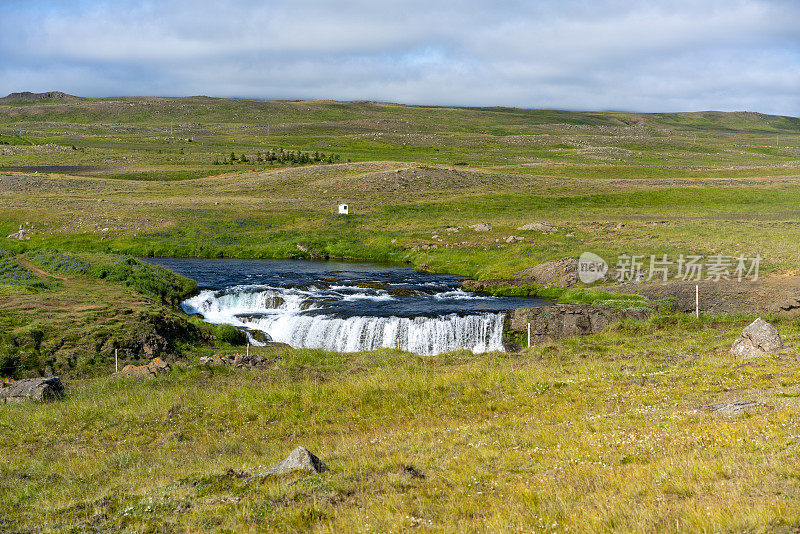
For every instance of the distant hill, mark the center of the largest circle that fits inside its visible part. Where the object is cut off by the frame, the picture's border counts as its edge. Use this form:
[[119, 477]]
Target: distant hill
[[360, 116], [27, 96]]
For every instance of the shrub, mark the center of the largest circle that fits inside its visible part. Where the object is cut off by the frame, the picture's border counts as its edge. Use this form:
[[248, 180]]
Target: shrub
[[146, 278], [226, 333]]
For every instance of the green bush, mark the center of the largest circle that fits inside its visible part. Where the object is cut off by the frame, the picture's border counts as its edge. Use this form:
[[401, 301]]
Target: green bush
[[226, 333], [146, 278]]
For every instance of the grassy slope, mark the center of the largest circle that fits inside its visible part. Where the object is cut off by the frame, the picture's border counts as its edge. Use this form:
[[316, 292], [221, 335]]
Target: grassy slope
[[555, 438], [66, 314]]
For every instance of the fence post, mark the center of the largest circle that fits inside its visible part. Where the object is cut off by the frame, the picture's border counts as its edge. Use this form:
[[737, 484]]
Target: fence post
[[529, 335], [116, 360], [697, 301]]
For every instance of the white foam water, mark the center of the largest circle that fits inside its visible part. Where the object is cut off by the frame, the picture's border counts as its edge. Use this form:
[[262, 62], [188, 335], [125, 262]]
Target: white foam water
[[291, 316]]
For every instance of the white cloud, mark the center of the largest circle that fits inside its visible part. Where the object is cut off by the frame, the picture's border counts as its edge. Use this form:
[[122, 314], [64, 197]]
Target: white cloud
[[574, 54]]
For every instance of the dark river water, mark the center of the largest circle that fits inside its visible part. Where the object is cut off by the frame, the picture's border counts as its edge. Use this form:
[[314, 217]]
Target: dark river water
[[346, 307]]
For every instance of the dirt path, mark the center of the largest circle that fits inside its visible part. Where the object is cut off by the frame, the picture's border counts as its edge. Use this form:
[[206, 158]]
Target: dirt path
[[28, 265]]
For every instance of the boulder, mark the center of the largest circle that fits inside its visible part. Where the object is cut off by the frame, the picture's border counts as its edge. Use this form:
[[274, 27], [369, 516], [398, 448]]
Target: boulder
[[565, 320], [562, 272], [734, 408], [757, 339], [537, 227], [482, 227], [248, 361], [300, 459], [156, 367], [21, 235], [37, 389]]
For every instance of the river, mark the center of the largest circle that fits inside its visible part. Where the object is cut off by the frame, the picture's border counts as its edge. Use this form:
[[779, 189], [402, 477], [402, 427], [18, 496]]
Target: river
[[346, 307]]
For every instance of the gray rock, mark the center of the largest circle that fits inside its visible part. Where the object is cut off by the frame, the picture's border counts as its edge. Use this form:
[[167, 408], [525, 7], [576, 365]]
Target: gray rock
[[482, 227], [757, 339], [299, 460], [537, 227], [21, 235], [644, 382], [37, 389], [734, 408]]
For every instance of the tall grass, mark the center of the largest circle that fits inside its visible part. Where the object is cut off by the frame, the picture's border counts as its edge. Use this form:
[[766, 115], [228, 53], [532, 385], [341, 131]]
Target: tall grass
[[593, 434]]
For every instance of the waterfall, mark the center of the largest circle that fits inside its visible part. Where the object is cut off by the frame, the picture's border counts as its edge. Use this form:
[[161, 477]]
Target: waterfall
[[422, 335], [298, 317]]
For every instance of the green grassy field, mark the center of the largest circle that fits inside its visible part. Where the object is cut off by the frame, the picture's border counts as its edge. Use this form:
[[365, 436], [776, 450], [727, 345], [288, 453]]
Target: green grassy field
[[606, 433]]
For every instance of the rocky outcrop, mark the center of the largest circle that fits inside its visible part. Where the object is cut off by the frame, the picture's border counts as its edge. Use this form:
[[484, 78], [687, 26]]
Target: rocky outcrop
[[734, 408], [247, 361], [156, 367], [36, 389], [27, 96], [562, 272], [565, 320], [22, 235], [482, 227], [300, 459], [151, 335], [759, 338], [537, 227]]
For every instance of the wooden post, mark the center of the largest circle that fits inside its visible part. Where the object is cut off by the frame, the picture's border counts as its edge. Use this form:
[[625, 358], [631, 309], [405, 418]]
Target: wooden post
[[697, 301], [529, 335], [248, 348], [116, 359]]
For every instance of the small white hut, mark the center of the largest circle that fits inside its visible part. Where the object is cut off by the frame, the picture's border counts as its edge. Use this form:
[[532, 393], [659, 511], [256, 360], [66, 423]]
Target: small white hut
[[344, 209]]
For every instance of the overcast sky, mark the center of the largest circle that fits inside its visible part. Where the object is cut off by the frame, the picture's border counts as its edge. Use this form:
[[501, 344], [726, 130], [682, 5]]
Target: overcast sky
[[667, 55]]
